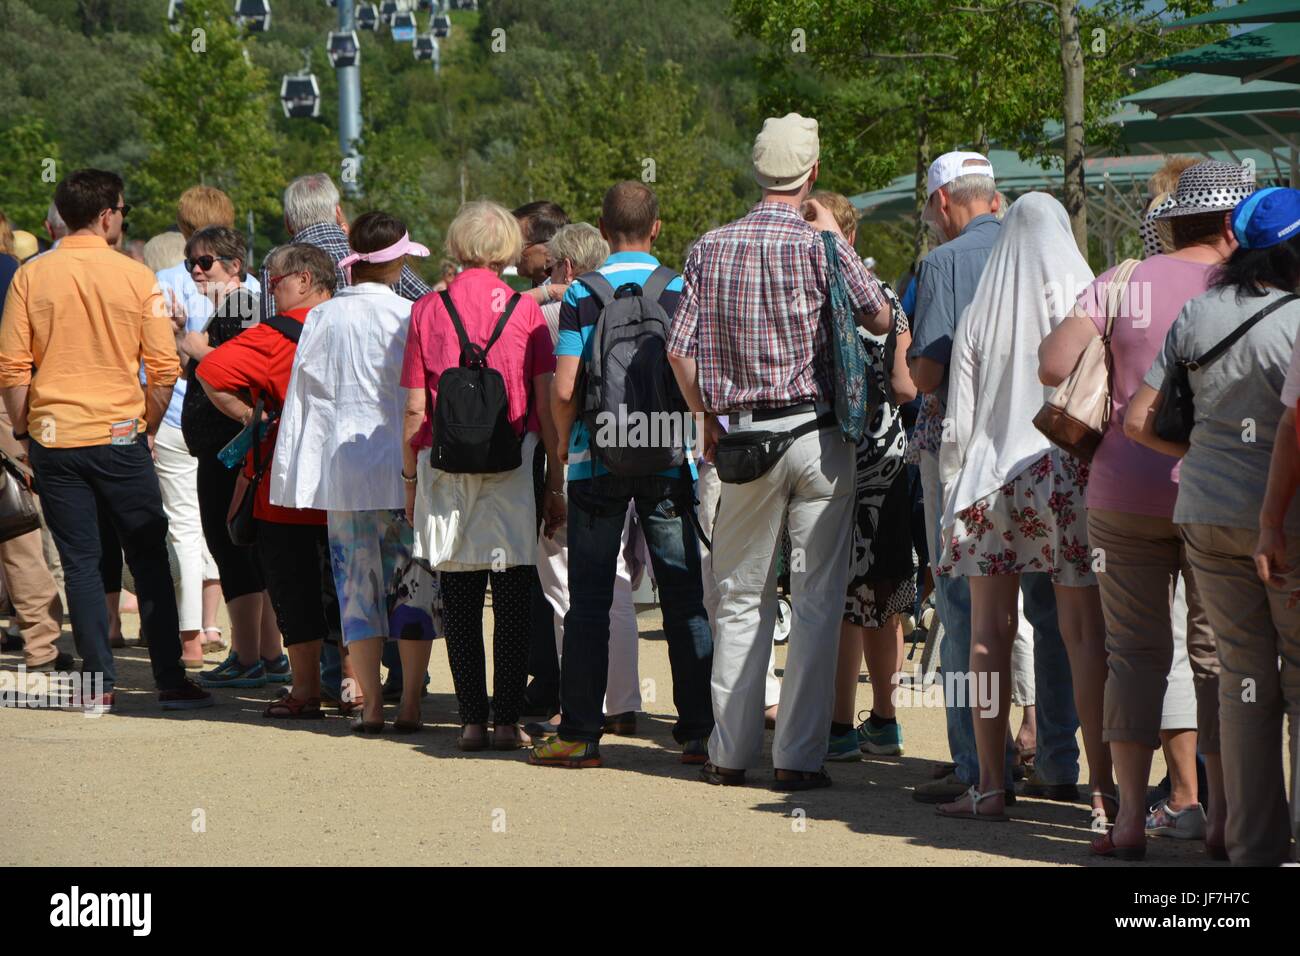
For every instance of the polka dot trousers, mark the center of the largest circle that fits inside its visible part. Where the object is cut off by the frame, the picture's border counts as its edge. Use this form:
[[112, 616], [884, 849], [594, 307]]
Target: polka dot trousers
[[462, 619]]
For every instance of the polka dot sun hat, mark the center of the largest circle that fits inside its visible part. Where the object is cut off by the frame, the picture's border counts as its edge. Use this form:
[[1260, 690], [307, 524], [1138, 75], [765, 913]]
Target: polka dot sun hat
[[1209, 187]]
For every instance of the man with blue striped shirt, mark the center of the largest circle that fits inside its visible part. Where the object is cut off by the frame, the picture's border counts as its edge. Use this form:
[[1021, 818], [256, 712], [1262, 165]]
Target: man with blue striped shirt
[[598, 503]]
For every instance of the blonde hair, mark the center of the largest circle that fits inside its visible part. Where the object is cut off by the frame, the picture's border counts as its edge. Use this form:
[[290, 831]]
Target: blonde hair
[[1165, 179], [203, 206], [485, 235], [6, 236], [582, 244], [164, 250], [838, 205]]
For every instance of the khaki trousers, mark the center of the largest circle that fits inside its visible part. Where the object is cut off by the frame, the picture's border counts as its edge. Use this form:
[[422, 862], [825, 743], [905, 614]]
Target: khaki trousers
[[1144, 555], [811, 489], [31, 587], [1255, 626]]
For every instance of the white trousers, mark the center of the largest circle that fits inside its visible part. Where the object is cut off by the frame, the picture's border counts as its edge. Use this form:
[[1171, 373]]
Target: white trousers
[[708, 489], [178, 478], [810, 490], [623, 683]]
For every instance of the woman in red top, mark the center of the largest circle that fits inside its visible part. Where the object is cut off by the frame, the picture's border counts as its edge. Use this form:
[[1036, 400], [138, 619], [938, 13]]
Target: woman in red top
[[291, 543]]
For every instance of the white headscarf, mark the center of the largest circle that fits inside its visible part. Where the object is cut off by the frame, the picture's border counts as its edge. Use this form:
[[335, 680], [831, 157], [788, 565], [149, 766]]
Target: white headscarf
[[1033, 277]]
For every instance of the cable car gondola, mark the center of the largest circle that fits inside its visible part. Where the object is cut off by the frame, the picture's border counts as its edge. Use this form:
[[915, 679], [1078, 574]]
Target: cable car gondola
[[253, 15], [441, 25], [424, 6], [343, 48], [367, 17], [387, 10], [425, 47], [300, 96], [174, 10], [404, 27]]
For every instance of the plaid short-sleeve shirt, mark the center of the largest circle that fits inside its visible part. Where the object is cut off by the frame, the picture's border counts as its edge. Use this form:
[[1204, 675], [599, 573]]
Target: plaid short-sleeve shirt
[[751, 310]]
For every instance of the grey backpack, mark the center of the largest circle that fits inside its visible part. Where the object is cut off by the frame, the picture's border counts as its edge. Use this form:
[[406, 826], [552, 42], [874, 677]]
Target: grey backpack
[[633, 409]]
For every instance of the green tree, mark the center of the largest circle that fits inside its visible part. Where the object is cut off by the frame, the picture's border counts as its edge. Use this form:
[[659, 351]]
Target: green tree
[[628, 122], [207, 114], [32, 168]]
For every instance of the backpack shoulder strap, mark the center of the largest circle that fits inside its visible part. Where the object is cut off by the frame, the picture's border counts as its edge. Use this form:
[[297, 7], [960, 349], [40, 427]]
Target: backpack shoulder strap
[[455, 319], [1239, 331], [291, 329], [656, 284], [599, 287], [501, 323]]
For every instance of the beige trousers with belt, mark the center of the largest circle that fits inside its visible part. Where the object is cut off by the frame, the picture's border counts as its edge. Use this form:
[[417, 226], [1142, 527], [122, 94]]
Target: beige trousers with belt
[[811, 490]]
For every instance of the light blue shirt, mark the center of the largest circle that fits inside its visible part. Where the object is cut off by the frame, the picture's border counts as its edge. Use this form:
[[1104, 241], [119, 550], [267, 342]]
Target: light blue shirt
[[198, 312]]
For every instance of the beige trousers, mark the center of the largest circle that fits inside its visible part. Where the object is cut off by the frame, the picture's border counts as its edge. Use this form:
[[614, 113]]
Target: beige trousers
[[31, 587], [1257, 628], [1144, 555]]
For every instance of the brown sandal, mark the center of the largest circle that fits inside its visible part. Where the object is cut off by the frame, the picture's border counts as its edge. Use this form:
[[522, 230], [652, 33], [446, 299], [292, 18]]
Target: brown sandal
[[803, 780], [291, 708], [721, 776], [470, 744], [510, 737]]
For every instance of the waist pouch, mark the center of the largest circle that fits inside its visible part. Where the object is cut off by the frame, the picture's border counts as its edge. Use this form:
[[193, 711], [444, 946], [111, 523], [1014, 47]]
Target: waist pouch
[[742, 457]]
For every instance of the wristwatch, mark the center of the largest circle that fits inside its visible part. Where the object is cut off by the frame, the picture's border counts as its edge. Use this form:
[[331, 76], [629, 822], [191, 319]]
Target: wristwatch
[[20, 436]]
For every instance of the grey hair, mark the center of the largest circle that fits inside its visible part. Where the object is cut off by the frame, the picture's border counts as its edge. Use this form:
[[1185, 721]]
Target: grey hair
[[57, 225], [308, 200], [294, 257], [971, 188], [582, 244]]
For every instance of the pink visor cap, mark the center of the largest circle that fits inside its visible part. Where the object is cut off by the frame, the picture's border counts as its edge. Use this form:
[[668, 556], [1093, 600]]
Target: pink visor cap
[[402, 247]]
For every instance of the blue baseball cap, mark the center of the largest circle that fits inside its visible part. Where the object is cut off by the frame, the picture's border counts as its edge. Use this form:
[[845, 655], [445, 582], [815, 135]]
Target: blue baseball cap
[[1267, 217]]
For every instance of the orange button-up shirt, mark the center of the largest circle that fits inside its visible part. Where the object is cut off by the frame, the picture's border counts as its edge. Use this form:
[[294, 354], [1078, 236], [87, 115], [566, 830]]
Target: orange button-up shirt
[[86, 317]]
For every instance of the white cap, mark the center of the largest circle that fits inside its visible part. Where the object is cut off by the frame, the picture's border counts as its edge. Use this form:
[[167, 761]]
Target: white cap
[[951, 165]]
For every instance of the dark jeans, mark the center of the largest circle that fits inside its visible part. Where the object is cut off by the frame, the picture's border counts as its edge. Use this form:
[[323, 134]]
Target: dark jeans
[[238, 567], [74, 484], [597, 511]]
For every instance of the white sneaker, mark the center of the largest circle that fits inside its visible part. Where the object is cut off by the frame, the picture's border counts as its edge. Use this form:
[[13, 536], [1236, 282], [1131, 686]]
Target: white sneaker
[[1186, 824]]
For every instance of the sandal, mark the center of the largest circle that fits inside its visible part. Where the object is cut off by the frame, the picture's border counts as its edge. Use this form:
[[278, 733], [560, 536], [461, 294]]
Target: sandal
[[510, 737], [214, 646], [804, 781], [362, 726], [1099, 820], [292, 708], [976, 798], [721, 776], [1105, 845], [407, 726], [470, 744]]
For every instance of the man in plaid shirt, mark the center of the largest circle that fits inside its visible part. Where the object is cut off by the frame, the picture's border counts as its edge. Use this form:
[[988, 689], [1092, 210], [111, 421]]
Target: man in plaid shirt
[[312, 215], [749, 341]]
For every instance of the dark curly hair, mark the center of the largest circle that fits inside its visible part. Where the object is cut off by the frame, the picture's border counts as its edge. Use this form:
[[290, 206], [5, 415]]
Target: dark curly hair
[[1248, 271]]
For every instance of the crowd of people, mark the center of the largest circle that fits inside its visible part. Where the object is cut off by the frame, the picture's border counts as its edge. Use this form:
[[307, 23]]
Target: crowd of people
[[353, 460]]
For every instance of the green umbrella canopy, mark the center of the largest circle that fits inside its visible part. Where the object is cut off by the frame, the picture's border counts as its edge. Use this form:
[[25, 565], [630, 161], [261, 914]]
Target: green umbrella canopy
[[1252, 11], [1016, 176], [1208, 93], [1270, 53]]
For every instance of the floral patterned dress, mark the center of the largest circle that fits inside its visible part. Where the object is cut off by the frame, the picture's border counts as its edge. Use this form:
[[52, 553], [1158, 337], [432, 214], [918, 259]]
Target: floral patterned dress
[[882, 564], [1037, 522]]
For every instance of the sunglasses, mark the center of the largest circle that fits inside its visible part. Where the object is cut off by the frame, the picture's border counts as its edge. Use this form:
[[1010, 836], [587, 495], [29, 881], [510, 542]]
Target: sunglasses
[[205, 262], [124, 209]]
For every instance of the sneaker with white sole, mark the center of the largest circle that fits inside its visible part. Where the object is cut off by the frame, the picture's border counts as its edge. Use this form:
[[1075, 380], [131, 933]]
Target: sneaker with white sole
[[1185, 824]]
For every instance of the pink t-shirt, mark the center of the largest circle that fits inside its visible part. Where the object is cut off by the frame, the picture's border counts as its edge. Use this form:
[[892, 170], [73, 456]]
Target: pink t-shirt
[[523, 351], [1126, 476]]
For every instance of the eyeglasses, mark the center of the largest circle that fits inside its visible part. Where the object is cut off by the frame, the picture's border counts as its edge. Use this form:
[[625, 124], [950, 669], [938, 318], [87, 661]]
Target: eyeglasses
[[273, 281], [205, 262], [124, 209]]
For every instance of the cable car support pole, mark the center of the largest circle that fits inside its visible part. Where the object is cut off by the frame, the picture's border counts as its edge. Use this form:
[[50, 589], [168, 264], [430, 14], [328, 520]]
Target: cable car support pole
[[349, 78]]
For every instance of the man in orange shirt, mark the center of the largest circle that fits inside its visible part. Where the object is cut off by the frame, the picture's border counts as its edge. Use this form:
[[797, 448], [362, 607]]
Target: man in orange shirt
[[78, 324]]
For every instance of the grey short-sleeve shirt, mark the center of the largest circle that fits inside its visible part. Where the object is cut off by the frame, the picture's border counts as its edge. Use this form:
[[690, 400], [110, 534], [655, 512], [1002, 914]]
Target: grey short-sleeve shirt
[[946, 281], [1238, 405]]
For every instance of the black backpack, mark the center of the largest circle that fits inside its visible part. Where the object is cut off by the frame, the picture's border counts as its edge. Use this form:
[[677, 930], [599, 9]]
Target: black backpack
[[628, 382], [471, 415]]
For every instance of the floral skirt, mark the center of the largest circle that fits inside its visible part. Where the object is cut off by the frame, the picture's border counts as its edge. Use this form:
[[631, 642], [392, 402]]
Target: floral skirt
[[1037, 522]]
